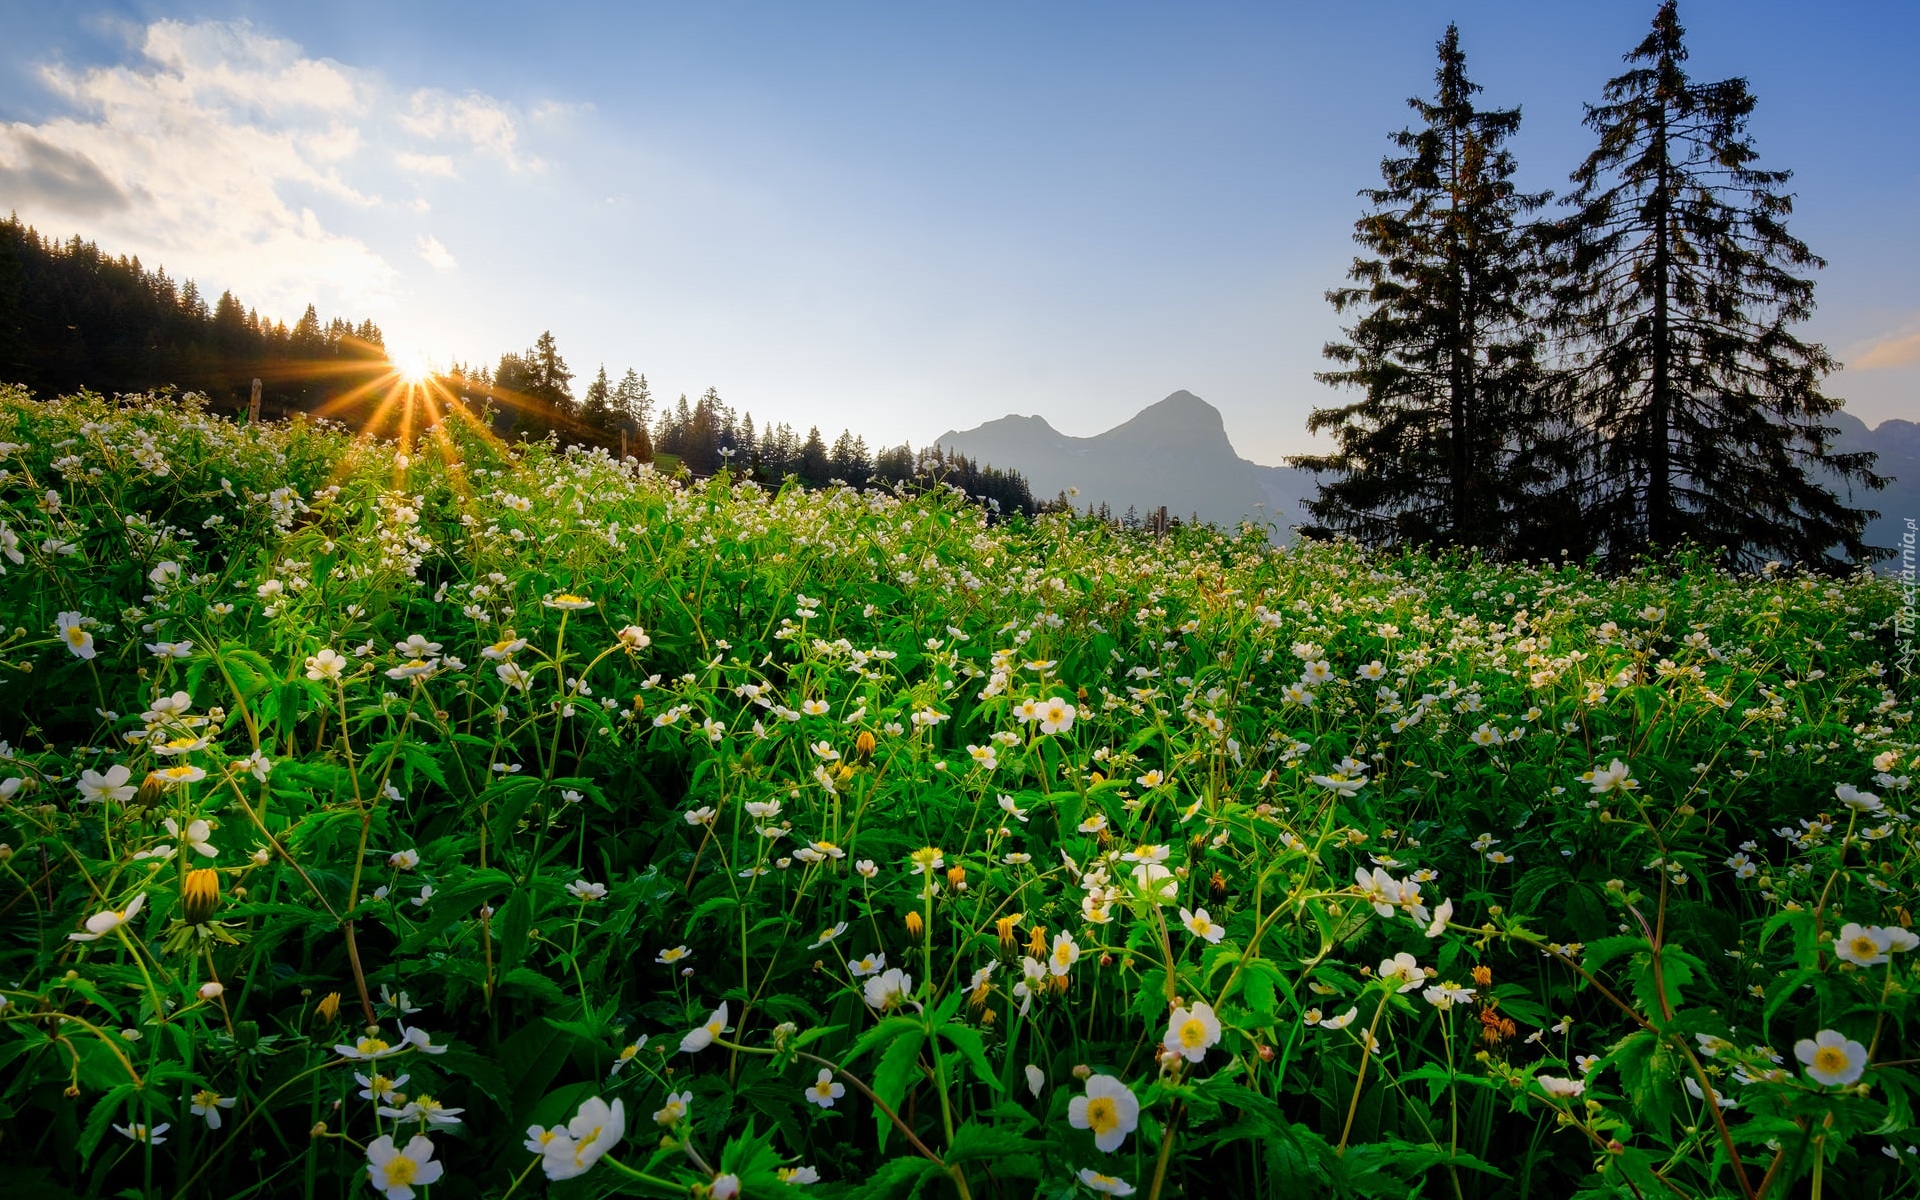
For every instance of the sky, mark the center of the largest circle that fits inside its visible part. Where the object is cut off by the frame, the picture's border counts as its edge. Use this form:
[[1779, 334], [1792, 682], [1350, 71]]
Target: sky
[[899, 219]]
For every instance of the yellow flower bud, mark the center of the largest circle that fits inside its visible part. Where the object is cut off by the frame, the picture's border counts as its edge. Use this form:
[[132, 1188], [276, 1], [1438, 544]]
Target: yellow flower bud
[[328, 1010], [915, 926], [200, 895]]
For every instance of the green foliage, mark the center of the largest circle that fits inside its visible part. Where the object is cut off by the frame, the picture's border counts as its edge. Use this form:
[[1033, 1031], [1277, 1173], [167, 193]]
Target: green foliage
[[843, 834]]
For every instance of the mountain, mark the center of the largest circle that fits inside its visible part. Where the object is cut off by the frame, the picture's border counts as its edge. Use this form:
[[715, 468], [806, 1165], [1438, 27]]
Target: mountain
[[1897, 443], [1174, 453]]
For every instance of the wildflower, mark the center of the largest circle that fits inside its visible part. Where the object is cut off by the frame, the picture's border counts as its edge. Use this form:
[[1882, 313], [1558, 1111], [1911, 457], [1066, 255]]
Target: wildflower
[[1109, 1109], [667, 958], [594, 1130], [1094, 823], [213, 989], [674, 1110], [1564, 1089], [1342, 1021], [151, 1136], [889, 988], [915, 926], [699, 1039], [725, 1186], [1065, 953], [634, 638], [378, 1087], [1441, 916], [1446, 994], [1005, 926], [422, 1041], [867, 868], [824, 1090], [1112, 1185], [872, 964], [1832, 1058], [583, 891], [1862, 946], [984, 756], [404, 860], [1201, 926], [101, 924], [75, 635], [1056, 716], [1036, 1079], [1403, 972], [1857, 800], [1611, 778], [369, 1047], [1190, 1031], [798, 1175], [208, 1103], [927, 858], [568, 602], [427, 1111], [175, 776], [96, 787]]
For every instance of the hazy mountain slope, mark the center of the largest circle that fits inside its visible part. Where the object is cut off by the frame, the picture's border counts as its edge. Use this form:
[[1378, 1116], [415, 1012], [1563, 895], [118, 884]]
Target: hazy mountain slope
[[1174, 453]]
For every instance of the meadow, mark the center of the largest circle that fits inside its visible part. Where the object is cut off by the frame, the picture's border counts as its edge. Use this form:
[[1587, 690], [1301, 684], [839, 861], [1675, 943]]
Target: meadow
[[477, 820]]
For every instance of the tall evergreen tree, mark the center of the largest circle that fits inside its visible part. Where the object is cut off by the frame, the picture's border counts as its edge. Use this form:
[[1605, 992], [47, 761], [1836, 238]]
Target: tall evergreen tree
[[1675, 293], [597, 412], [1446, 443]]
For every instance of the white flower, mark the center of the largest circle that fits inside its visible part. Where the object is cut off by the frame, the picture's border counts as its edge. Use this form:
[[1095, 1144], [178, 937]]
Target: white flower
[[828, 935], [1013, 810], [1832, 1058], [672, 955], [634, 638], [1441, 916], [674, 1110], [1065, 953], [327, 664], [74, 634], [1402, 972], [1202, 926], [422, 1041], [724, 1187], [824, 1091], [1856, 799], [195, 835], [1112, 1185], [582, 890], [872, 964], [1109, 1109], [1445, 995], [1564, 1089], [1190, 1031], [1862, 946], [404, 860], [101, 924], [208, 1103], [1036, 1079], [798, 1175], [151, 1136], [1611, 778], [568, 602], [113, 785], [702, 1037], [888, 988], [594, 1130], [1056, 716], [395, 1171], [1342, 1021]]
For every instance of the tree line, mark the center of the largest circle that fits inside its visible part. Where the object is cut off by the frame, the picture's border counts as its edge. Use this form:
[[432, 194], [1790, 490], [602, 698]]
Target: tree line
[[74, 317], [1616, 378]]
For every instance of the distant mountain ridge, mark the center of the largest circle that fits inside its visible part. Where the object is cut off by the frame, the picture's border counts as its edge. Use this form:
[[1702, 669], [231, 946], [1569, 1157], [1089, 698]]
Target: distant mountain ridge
[[1177, 453]]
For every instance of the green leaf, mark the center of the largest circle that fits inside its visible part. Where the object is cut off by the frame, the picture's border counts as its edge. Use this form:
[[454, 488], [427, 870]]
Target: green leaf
[[898, 1066], [967, 1041]]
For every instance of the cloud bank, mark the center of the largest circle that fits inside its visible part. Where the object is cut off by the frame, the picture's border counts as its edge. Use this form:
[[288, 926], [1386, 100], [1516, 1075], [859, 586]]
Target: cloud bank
[[232, 156]]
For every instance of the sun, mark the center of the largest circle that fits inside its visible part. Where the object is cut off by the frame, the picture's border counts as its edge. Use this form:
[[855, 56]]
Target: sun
[[412, 368]]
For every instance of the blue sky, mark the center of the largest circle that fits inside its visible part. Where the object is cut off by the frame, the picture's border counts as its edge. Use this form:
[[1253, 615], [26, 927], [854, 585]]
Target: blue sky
[[894, 218]]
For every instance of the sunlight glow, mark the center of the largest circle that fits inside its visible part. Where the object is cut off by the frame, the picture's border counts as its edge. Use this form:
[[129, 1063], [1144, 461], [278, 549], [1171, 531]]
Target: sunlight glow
[[413, 368]]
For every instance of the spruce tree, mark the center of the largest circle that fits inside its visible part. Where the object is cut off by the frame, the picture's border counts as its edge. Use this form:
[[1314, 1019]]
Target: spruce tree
[[1447, 444], [597, 413], [1675, 290]]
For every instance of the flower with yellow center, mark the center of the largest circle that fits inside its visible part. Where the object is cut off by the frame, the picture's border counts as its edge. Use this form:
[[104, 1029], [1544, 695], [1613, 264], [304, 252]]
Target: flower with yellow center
[[568, 602], [824, 1090], [1860, 945], [1111, 1185], [1005, 926], [366, 1047], [395, 1171], [1109, 1109], [1065, 953], [1831, 1058], [1190, 1031], [1202, 926], [926, 859]]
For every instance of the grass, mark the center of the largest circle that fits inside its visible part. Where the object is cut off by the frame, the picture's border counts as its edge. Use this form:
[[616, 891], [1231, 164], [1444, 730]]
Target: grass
[[708, 839]]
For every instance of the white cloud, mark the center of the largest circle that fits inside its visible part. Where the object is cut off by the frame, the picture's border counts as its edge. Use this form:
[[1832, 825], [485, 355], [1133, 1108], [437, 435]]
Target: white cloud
[[229, 155], [425, 164], [437, 256]]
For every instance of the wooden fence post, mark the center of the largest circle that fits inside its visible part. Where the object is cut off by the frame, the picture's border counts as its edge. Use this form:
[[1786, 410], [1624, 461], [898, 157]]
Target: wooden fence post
[[253, 405]]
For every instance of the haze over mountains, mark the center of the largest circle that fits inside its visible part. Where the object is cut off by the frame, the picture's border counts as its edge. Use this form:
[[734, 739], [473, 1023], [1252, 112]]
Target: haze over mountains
[[1177, 453]]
